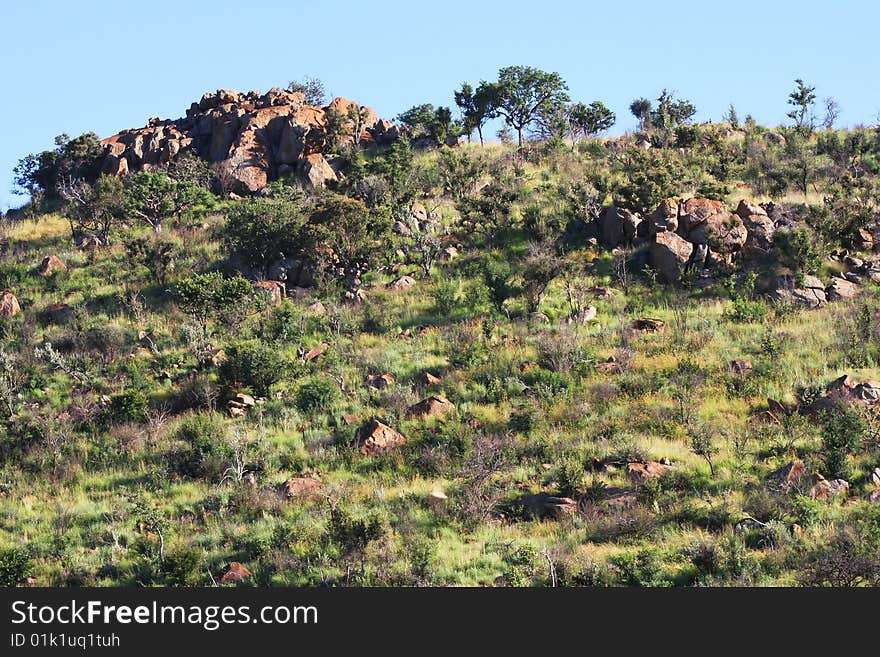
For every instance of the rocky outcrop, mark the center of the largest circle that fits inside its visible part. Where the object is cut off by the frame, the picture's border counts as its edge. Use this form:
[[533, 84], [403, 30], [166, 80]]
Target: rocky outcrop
[[639, 473], [253, 138], [50, 265], [302, 487]]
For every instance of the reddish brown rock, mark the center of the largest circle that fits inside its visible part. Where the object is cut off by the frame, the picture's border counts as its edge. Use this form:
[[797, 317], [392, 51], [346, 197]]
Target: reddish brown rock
[[235, 573], [402, 283], [375, 437], [274, 289], [669, 255], [639, 473], [315, 170], [8, 304], [841, 289], [316, 352], [302, 487], [429, 379], [824, 488], [380, 381], [791, 476], [50, 265], [434, 405]]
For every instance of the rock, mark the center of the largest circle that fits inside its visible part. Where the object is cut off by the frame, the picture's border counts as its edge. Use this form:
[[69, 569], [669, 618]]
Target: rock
[[315, 170], [402, 283], [245, 399], [437, 493], [253, 138], [810, 294], [722, 231], [448, 254], [760, 229], [824, 488], [874, 479], [669, 255], [374, 438], [791, 476], [778, 408], [650, 324], [664, 218], [380, 381], [840, 289], [847, 390], [275, 290], [316, 352], [874, 496], [235, 572], [301, 487], [218, 358], [639, 473], [740, 366], [585, 316], [429, 379], [852, 262], [418, 212], [317, 308], [619, 225], [236, 409], [865, 240], [8, 304], [747, 208], [774, 138], [543, 505], [696, 211], [434, 405]]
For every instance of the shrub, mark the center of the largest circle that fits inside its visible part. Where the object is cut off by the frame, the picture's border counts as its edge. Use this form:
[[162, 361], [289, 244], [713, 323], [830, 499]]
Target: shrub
[[317, 394], [129, 405], [254, 365], [205, 436], [15, 566], [180, 565], [643, 568]]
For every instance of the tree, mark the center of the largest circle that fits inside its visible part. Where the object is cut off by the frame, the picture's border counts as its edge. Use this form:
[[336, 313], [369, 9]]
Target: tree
[[41, 174], [668, 116], [589, 120], [641, 109], [153, 197], [523, 93], [427, 122], [541, 268], [313, 89], [731, 117], [211, 295], [802, 99], [264, 230], [92, 210], [476, 108], [347, 233], [832, 112]]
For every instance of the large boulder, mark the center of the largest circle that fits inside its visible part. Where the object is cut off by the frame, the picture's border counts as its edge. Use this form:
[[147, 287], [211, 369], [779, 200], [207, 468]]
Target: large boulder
[[543, 505], [841, 289], [302, 487], [809, 293], [619, 225], [316, 171], [721, 231], [638, 473], [791, 476], [375, 438], [670, 254], [274, 290], [696, 211]]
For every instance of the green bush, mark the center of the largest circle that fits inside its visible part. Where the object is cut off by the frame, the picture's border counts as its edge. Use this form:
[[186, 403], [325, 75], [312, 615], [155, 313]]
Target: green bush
[[254, 365], [128, 406], [317, 394], [15, 566], [181, 564]]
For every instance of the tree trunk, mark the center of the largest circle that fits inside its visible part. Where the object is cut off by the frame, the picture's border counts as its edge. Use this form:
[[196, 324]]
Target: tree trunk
[[480, 132], [519, 136]]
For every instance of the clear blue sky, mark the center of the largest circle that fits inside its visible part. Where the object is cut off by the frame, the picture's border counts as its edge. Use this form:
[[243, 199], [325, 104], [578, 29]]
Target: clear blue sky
[[105, 66]]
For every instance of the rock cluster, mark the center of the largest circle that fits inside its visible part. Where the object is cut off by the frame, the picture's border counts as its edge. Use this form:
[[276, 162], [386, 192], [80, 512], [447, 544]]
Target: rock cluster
[[254, 138]]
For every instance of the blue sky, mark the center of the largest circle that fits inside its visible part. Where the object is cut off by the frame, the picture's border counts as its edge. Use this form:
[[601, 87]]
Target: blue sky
[[105, 66]]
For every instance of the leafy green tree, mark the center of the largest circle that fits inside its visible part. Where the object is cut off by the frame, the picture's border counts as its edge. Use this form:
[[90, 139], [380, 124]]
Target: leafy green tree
[[669, 115], [211, 295], [15, 566], [348, 233], [798, 250], [92, 209], [153, 197], [641, 109], [41, 174], [802, 99], [522, 93], [252, 364], [427, 122], [476, 108], [589, 120], [263, 230]]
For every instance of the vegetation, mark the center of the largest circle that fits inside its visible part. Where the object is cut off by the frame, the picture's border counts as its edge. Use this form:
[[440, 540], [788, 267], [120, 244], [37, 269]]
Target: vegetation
[[583, 424]]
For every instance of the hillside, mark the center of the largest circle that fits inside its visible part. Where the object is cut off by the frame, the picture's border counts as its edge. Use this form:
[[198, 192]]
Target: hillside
[[645, 360]]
